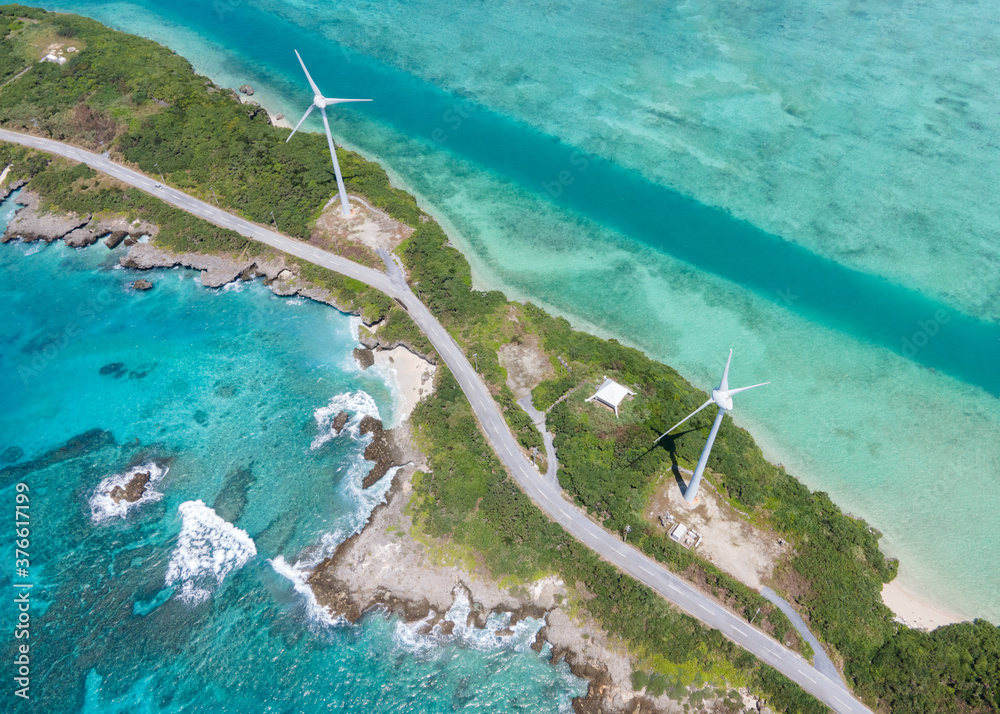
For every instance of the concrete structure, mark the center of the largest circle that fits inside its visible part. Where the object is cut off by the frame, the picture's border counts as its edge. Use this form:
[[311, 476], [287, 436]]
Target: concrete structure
[[611, 394]]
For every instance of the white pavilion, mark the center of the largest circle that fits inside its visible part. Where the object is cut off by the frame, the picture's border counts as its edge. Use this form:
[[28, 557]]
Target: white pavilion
[[611, 394]]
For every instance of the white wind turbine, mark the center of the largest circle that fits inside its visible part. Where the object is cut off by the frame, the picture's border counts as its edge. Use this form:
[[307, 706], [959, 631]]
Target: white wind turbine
[[723, 397], [321, 102]]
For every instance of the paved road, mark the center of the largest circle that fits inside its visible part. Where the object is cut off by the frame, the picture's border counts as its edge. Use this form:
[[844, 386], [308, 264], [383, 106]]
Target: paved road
[[821, 659], [546, 495]]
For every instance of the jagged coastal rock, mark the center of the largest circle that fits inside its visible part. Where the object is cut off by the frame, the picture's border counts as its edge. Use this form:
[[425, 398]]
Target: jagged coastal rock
[[382, 450], [383, 567], [246, 89], [340, 421], [80, 238], [365, 357], [142, 284], [31, 223], [133, 490]]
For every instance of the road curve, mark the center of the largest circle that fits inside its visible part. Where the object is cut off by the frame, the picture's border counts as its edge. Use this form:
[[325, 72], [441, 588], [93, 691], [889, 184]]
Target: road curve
[[831, 691]]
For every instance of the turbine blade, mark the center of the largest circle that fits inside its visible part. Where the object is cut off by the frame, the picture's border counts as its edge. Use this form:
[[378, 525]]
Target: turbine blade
[[724, 384], [341, 101], [311, 82], [684, 420], [731, 392], [308, 112]]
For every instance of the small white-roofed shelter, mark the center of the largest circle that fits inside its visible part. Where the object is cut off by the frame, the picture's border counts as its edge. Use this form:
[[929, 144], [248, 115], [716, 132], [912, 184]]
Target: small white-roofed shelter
[[611, 394]]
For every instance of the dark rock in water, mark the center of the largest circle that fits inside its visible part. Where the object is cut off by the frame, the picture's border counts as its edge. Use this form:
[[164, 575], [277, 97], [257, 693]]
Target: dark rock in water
[[365, 357], [131, 240], [138, 375], [383, 451], [12, 454], [79, 445], [133, 489], [246, 89], [340, 421], [232, 499], [115, 239], [142, 285], [114, 368], [201, 417], [226, 391], [477, 616]]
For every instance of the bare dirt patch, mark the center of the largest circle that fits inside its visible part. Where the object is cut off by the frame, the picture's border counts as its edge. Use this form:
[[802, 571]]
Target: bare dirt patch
[[359, 236], [526, 364], [746, 552]]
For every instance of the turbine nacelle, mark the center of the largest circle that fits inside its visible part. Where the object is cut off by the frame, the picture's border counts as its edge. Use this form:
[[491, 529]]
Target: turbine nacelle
[[722, 399]]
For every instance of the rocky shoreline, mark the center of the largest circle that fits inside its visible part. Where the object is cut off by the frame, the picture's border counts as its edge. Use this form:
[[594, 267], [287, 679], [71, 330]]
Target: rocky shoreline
[[32, 223], [383, 566]]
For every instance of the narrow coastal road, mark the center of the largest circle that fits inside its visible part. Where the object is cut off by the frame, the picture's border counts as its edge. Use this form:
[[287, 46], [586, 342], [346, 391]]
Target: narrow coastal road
[[547, 495]]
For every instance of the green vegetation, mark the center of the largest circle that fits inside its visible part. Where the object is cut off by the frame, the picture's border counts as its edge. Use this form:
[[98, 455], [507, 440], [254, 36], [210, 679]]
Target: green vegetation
[[467, 497], [145, 105]]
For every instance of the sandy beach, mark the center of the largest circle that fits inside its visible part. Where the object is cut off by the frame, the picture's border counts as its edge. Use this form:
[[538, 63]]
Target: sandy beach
[[412, 376], [914, 611]]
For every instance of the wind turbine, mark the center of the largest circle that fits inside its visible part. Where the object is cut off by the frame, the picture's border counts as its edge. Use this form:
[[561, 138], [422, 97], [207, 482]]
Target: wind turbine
[[320, 102], [723, 397]]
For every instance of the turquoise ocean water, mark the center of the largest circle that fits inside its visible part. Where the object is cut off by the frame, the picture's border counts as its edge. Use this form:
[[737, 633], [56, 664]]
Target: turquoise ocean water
[[191, 600], [813, 185]]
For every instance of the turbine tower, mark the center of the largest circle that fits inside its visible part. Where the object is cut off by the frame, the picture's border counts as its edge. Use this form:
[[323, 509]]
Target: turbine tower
[[320, 102], [723, 397]]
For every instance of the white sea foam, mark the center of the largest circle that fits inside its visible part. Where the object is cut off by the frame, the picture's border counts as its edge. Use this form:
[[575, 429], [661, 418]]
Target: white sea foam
[[208, 549], [408, 637], [350, 523], [103, 507], [358, 404], [298, 575]]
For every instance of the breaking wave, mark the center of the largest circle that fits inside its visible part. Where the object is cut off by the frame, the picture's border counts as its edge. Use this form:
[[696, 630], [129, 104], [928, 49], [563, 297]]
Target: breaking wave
[[357, 404], [298, 575], [518, 638], [208, 549]]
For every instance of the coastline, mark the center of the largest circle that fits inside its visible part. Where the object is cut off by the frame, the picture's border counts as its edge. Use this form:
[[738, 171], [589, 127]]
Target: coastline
[[411, 375], [914, 611], [368, 562], [390, 566], [301, 279]]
